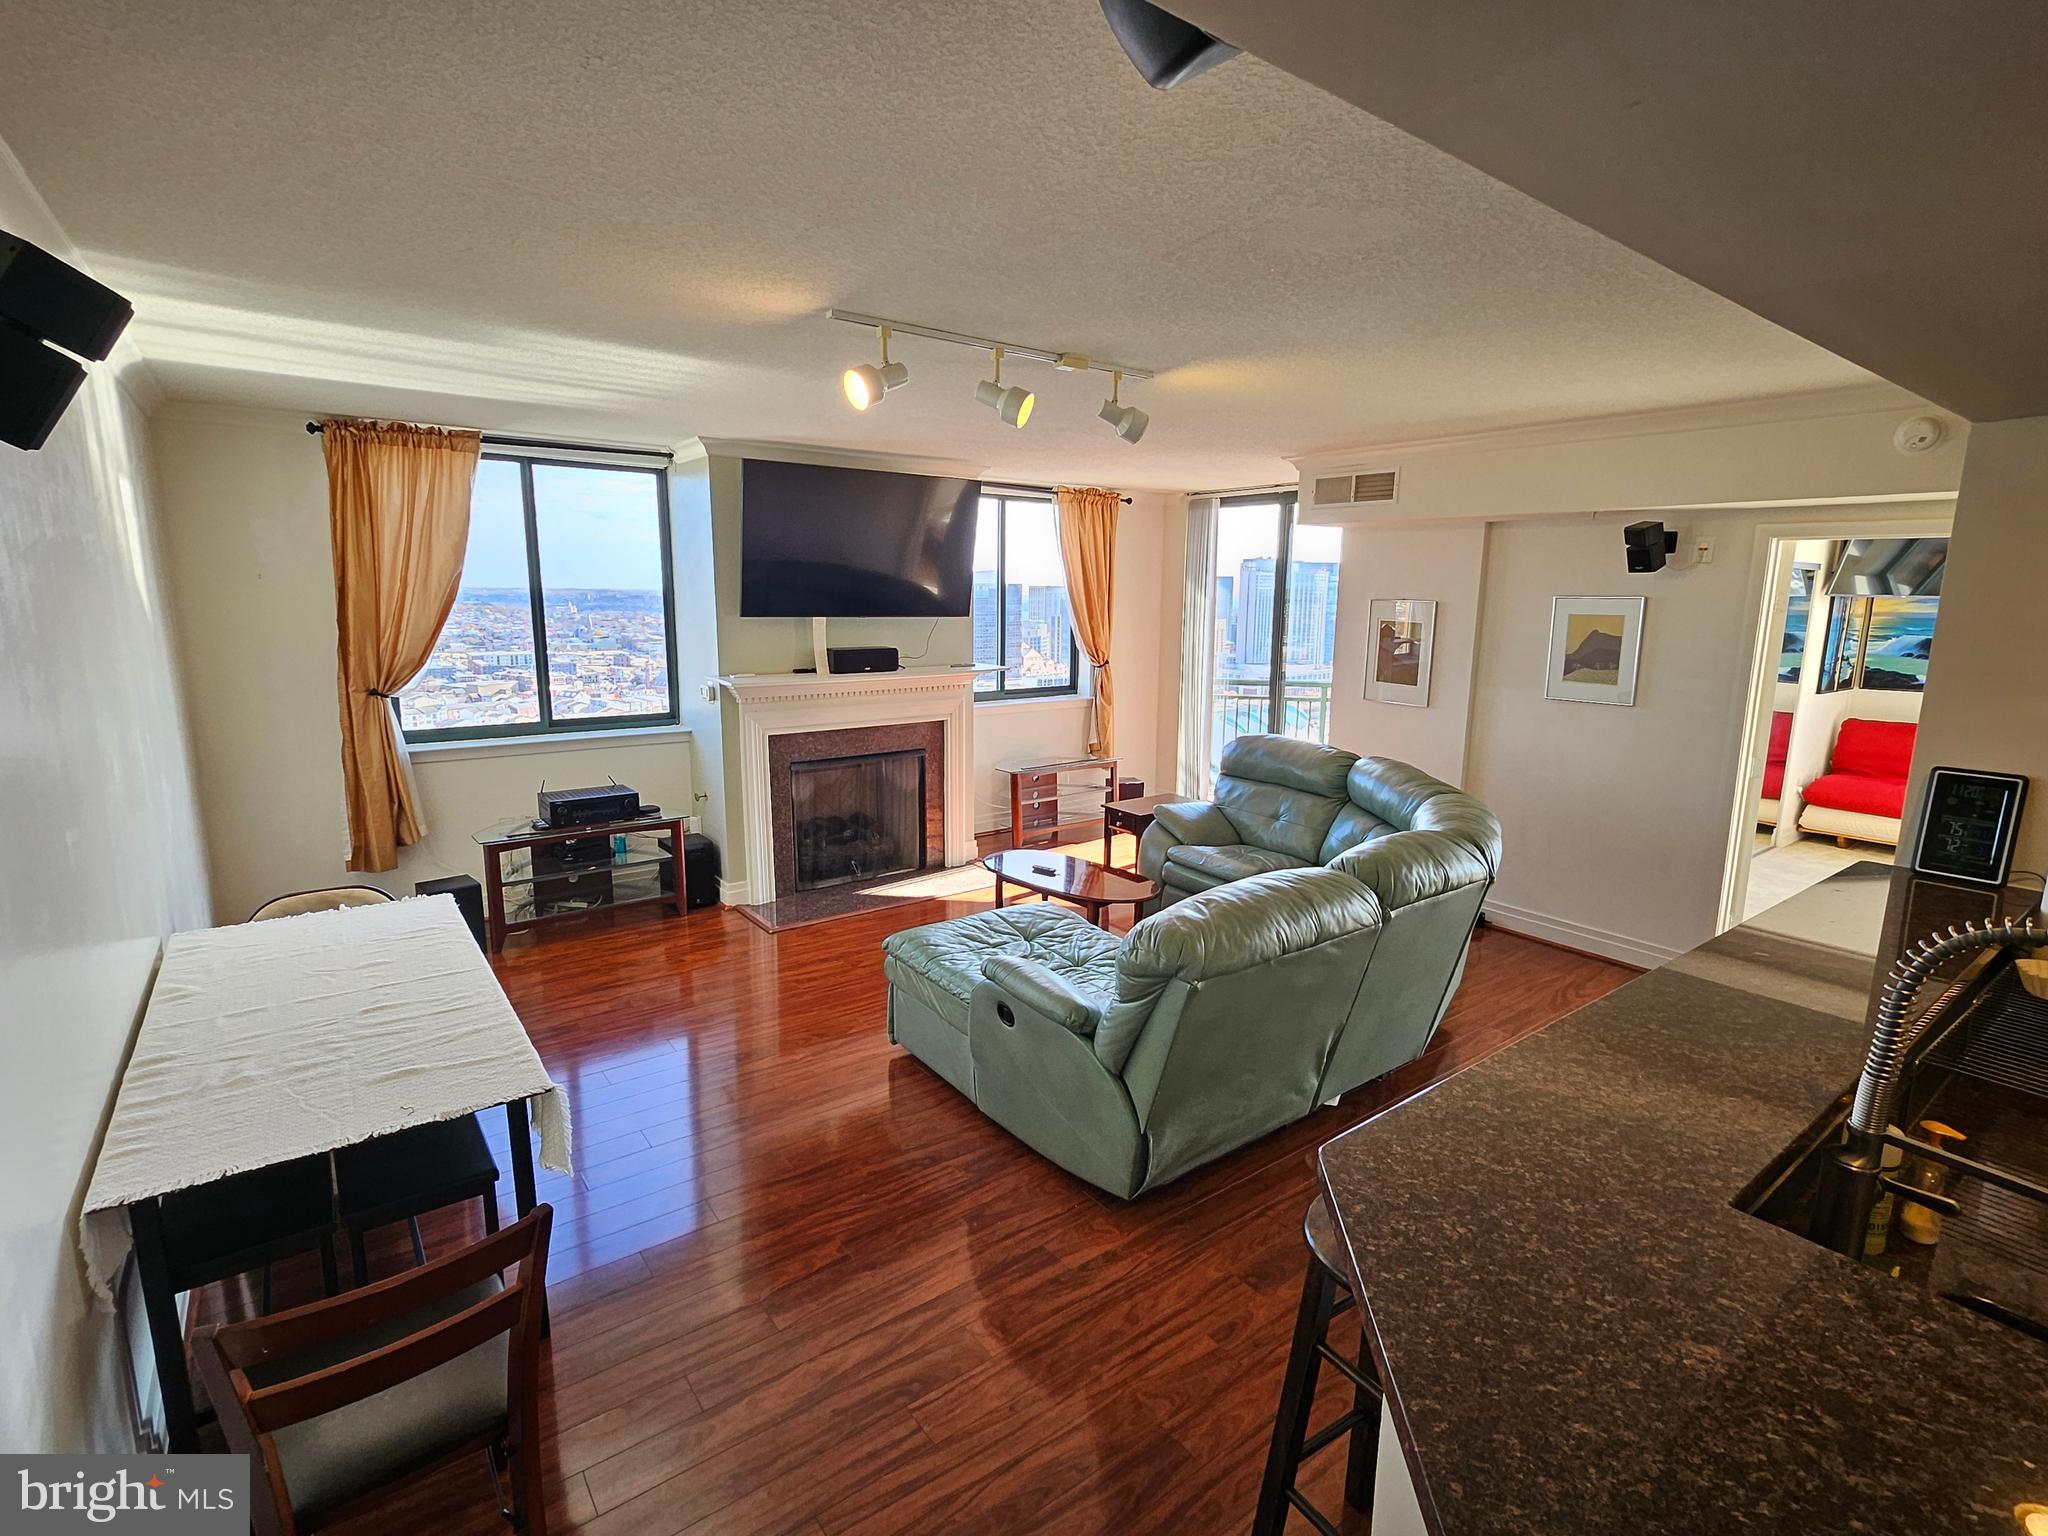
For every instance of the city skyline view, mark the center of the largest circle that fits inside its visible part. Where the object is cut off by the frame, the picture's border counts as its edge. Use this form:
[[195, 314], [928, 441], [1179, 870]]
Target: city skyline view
[[599, 553]]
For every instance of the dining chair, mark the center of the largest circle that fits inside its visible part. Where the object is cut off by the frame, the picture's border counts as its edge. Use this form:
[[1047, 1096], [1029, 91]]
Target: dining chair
[[410, 1173], [336, 1401], [327, 899]]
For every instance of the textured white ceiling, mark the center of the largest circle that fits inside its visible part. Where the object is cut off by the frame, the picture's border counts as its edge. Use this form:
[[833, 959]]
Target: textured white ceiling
[[624, 218]]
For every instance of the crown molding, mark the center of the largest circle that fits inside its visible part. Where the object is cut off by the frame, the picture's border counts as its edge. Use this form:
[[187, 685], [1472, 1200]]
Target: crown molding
[[844, 458], [1875, 398]]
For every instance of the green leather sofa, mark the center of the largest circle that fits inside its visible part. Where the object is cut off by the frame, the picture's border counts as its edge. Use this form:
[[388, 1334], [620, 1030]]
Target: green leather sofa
[[1232, 1011], [1286, 804]]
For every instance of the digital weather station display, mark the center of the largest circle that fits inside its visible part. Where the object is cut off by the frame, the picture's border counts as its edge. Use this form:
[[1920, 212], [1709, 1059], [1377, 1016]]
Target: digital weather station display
[[1970, 825]]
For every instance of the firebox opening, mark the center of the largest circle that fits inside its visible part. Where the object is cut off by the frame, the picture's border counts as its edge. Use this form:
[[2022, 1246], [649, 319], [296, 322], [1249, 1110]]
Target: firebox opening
[[857, 818]]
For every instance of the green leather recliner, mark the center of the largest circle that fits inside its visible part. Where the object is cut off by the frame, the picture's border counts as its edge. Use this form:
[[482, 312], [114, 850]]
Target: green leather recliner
[[1234, 1010]]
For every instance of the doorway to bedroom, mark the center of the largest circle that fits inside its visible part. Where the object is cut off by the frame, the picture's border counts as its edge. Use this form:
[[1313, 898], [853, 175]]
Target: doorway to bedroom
[[1848, 626]]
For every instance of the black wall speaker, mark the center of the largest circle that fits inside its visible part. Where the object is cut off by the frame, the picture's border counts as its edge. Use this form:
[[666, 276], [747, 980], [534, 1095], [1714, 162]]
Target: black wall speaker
[[36, 384], [51, 299], [44, 300], [1647, 545]]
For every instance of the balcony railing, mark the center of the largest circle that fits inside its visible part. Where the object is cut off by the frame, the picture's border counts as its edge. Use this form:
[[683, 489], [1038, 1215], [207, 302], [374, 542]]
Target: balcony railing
[[1240, 706]]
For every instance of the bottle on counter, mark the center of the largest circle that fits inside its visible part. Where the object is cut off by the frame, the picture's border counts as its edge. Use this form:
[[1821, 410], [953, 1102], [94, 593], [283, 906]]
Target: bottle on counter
[[1879, 1226], [1922, 1223]]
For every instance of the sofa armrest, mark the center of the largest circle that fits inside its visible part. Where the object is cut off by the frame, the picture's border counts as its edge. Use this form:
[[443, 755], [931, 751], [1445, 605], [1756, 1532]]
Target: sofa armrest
[[1196, 821], [1044, 991]]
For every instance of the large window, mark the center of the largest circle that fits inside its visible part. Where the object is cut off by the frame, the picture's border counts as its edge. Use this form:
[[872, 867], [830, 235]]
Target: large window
[[1275, 644], [1021, 619], [565, 620], [1878, 642]]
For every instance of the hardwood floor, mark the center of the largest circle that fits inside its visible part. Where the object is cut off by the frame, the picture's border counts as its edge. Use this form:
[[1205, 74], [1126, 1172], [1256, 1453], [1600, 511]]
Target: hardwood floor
[[801, 1286]]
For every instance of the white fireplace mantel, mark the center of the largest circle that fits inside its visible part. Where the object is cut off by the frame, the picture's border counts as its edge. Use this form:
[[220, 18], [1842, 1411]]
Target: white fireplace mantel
[[774, 703]]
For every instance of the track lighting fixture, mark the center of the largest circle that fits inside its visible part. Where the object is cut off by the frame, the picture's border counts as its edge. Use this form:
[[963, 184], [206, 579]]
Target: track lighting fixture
[[1012, 404], [867, 383], [1129, 422]]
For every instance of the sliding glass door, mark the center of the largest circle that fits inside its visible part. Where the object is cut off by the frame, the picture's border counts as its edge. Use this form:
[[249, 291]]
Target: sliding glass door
[[1275, 615]]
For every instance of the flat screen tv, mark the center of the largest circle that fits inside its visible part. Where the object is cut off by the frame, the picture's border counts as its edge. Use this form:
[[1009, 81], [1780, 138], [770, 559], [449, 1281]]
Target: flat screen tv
[[822, 542]]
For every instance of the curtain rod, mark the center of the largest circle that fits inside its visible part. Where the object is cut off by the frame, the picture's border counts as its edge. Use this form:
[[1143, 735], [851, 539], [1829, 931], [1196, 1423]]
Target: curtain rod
[[1018, 485], [492, 440], [1251, 490]]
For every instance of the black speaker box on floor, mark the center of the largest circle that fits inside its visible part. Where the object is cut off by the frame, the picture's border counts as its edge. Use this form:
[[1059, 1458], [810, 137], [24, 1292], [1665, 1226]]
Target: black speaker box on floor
[[700, 871], [469, 901]]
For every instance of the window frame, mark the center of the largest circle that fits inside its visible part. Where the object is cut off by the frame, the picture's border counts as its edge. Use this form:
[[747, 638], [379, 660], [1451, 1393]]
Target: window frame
[[1001, 692], [547, 725]]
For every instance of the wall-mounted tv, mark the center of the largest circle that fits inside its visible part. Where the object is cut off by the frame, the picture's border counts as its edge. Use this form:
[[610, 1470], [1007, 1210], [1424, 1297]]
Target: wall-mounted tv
[[822, 542]]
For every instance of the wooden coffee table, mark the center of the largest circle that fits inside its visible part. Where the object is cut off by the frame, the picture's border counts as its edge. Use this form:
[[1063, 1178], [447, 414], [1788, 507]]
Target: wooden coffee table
[[1059, 877]]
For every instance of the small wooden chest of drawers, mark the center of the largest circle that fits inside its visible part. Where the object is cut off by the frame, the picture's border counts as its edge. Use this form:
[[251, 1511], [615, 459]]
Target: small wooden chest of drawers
[[1035, 795]]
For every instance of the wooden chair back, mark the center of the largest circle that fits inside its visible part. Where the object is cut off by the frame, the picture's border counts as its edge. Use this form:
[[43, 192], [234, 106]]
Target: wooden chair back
[[250, 1415]]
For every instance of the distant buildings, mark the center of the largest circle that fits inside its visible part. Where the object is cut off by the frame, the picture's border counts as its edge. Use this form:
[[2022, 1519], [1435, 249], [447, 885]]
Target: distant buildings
[[1244, 620], [1036, 648], [607, 656]]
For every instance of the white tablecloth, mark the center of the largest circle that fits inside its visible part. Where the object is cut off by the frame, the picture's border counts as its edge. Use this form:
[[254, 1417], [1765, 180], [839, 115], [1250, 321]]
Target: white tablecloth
[[269, 1041]]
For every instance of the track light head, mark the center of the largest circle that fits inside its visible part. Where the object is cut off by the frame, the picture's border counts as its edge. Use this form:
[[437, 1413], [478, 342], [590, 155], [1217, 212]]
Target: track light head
[[1012, 404], [867, 383], [1166, 49], [1128, 421]]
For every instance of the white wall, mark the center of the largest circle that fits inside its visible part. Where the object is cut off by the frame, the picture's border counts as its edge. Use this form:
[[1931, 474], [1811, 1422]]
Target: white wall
[[1819, 449], [251, 578], [1986, 706], [1447, 563], [102, 850], [1617, 819]]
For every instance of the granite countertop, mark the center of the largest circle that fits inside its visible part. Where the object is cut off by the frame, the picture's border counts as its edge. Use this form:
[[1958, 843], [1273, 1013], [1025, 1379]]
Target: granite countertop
[[1582, 1335]]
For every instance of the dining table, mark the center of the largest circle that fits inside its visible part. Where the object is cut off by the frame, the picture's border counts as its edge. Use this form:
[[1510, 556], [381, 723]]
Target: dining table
[[266, 1042]]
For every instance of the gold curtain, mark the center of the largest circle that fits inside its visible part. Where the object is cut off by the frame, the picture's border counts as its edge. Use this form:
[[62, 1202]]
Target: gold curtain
[[398, 506], [1088, 547]]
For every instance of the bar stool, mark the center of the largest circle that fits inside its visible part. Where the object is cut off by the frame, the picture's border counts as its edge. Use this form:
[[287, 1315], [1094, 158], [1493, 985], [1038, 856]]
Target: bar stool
[[1325, 1294]]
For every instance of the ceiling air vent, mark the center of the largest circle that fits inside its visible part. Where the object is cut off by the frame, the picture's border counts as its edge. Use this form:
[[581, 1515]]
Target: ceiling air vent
[[1353, 490]]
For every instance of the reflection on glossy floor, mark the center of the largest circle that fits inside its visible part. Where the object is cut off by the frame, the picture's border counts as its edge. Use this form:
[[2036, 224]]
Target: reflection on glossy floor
[[800, 1285], [1778, 874]]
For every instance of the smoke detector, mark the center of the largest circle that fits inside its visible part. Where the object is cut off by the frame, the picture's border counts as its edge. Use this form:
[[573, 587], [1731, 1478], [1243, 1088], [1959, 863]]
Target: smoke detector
[[1918, 434]]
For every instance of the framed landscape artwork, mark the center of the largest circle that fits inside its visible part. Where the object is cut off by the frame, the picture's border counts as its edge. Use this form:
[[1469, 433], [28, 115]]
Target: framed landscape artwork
[[1403, 641], [1594, 643]]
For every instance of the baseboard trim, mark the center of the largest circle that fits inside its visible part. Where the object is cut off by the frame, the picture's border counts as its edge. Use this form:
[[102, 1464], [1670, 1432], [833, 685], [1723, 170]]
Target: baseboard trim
[[1577, 936], [734, 893]]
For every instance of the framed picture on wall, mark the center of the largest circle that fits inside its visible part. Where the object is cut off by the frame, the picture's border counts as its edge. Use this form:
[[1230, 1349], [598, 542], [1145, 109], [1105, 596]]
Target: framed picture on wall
[[1594, 645], [1403, 641]]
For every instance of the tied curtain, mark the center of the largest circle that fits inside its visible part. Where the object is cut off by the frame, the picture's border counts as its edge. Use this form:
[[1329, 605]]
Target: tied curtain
[[398, 506], [1087, 520]]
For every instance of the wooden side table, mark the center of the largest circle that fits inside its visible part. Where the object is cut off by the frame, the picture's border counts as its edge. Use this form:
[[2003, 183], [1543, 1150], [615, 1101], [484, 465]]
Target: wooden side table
[[1035, 795], [1132, 816]]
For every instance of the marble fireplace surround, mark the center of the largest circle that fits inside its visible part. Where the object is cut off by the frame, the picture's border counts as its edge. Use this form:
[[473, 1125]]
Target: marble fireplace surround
[[787, 748], [852, 708]]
